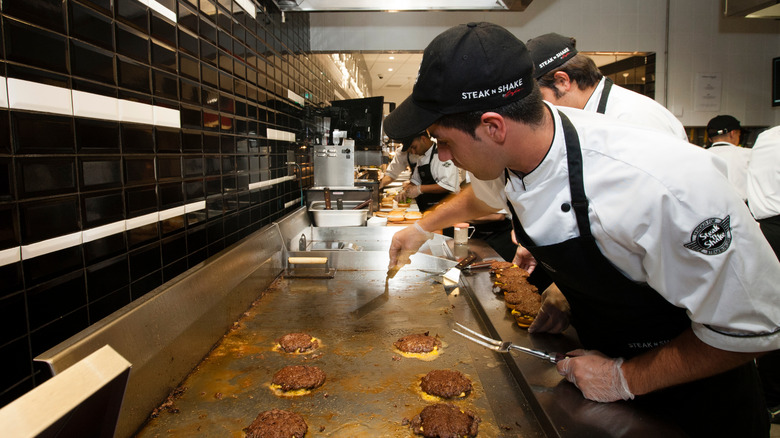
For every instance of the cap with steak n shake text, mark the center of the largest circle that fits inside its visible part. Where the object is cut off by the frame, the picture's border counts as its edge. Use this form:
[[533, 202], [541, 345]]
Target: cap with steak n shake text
[[550, 51], [469, 67]]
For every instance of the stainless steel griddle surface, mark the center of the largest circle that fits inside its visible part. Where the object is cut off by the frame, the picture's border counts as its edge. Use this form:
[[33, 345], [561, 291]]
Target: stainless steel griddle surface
[[370, 387]]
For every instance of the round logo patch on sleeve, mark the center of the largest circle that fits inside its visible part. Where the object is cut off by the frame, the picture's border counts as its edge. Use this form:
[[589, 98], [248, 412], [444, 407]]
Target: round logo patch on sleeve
[[711, 237]]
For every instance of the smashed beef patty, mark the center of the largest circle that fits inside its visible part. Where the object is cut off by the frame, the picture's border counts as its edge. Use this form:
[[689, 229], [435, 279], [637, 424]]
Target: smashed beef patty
[[445, 420], [297, 342], [277, 423], [417, 343], [445, 383], [294, 377]]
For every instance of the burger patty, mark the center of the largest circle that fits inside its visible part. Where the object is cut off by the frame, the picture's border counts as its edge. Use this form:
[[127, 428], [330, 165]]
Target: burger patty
[[499, 265], [294, 377], [515, 285], [511, 273], [297, 342], [417, 343], [445, 420], [525, 302], [445, 383], [277, 423]]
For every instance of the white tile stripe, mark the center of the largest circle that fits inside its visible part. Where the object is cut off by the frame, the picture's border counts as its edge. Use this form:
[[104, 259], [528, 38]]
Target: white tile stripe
[[26, 252], [270, 182], [34, 96], [167, 13], [291, 203], [248, 6], [3, 94], [11, 255], [275, 134]]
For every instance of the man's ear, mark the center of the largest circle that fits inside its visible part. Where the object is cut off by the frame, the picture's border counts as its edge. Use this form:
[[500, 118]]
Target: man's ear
[[494, 126], [562, 81]]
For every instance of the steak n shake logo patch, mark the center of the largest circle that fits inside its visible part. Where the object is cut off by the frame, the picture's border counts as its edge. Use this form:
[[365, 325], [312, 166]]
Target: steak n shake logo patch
[[506, 90], [711, 237], [563, 54]]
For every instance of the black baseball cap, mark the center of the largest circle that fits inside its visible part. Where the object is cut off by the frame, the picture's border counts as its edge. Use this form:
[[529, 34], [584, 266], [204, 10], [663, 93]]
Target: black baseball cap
[[722, 124], [406, 142], [550, 51], [468, 67]]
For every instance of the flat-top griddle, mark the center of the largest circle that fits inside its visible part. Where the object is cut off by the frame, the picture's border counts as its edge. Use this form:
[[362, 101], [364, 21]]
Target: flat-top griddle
[[370, 388]]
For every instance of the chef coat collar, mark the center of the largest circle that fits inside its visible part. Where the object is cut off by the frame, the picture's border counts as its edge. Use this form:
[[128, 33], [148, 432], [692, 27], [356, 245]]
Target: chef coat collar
[[593, 100], [555, 157]]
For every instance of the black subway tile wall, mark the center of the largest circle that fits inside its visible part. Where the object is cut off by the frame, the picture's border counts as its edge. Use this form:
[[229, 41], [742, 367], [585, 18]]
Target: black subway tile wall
[[137, 139]]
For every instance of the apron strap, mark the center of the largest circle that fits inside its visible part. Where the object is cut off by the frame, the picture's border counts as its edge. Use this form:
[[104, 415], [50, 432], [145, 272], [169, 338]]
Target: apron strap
[[576, 186], [604, 95]]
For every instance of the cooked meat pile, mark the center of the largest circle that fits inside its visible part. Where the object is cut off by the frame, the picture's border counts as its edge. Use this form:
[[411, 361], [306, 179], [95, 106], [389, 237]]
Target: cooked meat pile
[[297, 342], [445, 420], [294, 377], [417, 343], [445, 383], [277, 423]]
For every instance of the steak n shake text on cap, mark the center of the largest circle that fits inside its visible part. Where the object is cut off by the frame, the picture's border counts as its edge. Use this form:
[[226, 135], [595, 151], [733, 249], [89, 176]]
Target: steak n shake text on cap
[[469, 67], [550, 51]]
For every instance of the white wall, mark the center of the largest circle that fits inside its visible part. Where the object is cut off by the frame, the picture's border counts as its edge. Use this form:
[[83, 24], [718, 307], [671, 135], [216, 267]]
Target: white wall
[[700, 41]]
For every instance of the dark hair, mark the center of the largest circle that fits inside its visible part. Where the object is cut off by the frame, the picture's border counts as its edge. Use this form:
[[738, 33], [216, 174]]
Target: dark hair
[[529, 110], [580, 69]]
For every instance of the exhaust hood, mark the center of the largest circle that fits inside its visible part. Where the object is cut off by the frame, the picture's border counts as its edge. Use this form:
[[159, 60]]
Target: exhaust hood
[[400, 5], [753, 8]]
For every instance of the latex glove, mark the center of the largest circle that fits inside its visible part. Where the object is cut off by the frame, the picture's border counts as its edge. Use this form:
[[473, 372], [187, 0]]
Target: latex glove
[[554, 314], [410, 191], [524, 259], [599, 377], [405, 243]]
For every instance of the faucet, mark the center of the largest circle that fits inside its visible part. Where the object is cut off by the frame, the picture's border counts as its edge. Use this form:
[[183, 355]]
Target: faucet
[[302, 243], [299, 177]]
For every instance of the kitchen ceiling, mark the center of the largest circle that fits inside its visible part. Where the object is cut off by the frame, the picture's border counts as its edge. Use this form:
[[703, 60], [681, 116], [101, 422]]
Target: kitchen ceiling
[[394, 73], [401, 5]]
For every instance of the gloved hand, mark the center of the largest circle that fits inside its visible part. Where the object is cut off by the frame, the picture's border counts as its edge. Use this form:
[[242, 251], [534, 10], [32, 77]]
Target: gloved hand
[[554, 314], [412, 191], [523, 258], [599, 377], [405, 243]]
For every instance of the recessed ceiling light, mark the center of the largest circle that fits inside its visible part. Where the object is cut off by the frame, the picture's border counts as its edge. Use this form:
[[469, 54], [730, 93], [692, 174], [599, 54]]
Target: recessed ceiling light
[[392, 57], [389, 69]]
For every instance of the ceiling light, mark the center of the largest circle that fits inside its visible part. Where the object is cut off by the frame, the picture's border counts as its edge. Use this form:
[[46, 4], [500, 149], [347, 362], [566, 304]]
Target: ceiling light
[[401, 5], [389, 69]]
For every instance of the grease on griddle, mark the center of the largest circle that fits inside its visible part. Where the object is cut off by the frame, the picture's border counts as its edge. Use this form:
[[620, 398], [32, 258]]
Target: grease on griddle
[[168, 404]]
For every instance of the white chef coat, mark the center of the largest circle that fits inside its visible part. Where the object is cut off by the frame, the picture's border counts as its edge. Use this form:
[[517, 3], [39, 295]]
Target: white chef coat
[[399, 163], [737, 160], [763, 180], [647, 196], [444, 172], [632, 107]]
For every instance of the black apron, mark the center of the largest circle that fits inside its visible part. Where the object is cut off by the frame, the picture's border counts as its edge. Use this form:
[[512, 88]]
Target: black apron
[[428, 200], [604, 96], [623, 318]]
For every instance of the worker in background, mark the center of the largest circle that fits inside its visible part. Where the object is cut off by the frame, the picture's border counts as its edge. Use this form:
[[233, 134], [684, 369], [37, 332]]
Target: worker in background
[[669, 280], [763, 194], [725, 131], [432, 179], [569, 78], [400, 162]]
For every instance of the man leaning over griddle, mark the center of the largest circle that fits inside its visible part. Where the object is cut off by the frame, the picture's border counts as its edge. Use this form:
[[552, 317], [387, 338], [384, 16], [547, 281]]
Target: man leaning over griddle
[[671, 284]]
